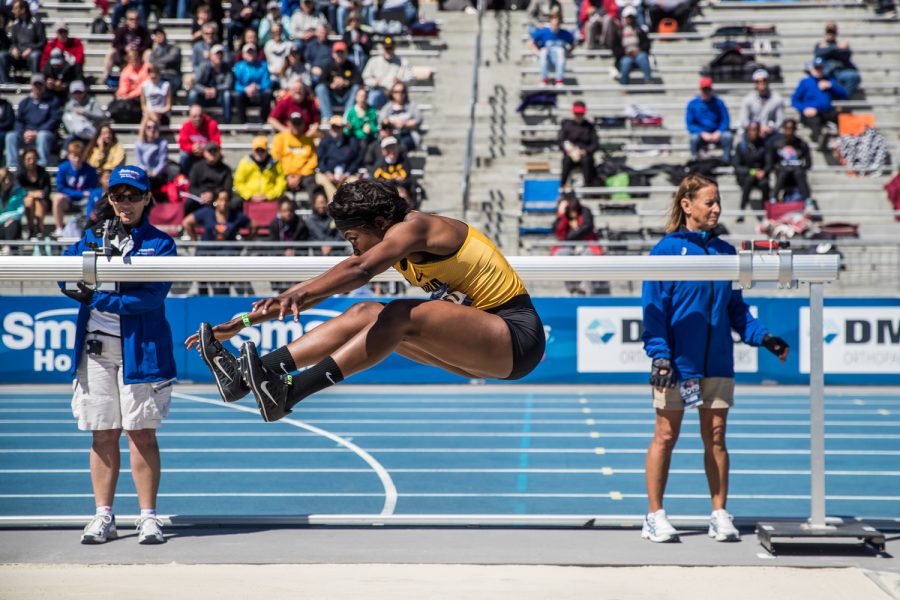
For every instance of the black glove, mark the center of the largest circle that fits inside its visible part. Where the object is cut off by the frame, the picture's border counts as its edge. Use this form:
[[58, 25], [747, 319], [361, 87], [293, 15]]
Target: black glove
[[774, 344], [661, 373], [83, 294]]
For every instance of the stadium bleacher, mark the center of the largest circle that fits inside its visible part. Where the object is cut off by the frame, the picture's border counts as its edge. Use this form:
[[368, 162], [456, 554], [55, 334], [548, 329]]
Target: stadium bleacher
[[527, 219], [423, 52]]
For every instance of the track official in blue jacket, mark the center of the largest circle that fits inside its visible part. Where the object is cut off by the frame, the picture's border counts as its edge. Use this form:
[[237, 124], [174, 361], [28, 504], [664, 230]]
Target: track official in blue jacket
[[687, 334], [124, 359]]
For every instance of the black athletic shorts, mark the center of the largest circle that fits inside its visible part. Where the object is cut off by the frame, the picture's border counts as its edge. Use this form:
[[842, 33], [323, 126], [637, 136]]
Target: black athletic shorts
[[526, 331]]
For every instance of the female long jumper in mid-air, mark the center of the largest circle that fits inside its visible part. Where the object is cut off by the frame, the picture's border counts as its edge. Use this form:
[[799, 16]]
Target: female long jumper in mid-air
[[479, 322]]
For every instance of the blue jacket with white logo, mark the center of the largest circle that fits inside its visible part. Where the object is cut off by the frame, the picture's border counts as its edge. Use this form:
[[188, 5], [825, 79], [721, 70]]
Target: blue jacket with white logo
[[690, 322], [147, 348]]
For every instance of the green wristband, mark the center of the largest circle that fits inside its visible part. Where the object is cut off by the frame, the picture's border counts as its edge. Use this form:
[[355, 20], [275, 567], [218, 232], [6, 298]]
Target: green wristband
[[245, 318]]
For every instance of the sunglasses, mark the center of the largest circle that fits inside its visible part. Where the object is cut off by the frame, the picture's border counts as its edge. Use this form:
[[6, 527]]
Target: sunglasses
[[120, 198]]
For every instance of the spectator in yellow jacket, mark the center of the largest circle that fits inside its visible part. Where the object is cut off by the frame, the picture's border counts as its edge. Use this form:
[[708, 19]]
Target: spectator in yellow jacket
[[258, 177], [296, 153]]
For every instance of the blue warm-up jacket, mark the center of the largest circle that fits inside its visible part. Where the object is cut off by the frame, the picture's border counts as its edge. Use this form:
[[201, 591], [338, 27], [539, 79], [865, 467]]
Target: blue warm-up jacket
[[256, 72], [809, 95], [690, 322], [702, 116], [147, 347]]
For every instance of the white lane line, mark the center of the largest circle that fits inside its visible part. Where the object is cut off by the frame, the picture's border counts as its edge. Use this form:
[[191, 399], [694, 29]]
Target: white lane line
[[419, 401], [474, 434], [516, 450], [327, 409], [212, 495], [485, 411], [616, 422], [534, 495], [390, 490], [467, 471]]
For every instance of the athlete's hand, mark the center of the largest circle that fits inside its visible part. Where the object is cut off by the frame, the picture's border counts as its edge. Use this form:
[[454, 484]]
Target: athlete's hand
[[661, 373], [222, 332], [286, 304]]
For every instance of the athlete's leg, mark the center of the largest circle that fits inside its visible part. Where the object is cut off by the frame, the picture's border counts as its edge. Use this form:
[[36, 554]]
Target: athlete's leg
[[418, 355], [472, 340], [324, 339], [464, 340]]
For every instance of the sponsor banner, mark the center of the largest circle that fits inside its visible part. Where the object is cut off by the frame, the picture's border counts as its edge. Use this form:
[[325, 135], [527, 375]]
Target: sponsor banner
[[609, 341], [856, 340], [589, 340]]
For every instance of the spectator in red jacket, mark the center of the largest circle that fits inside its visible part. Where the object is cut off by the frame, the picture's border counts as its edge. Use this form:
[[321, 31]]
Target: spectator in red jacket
[[575, 223], [72, 48], [195, 134], [299, 99]]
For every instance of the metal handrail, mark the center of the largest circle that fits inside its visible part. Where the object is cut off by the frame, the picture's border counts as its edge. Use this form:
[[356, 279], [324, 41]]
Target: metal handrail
[[473, 101]]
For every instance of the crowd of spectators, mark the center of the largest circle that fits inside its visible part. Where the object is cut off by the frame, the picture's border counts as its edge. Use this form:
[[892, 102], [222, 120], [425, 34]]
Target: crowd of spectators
[[335, 93], [771, 160]]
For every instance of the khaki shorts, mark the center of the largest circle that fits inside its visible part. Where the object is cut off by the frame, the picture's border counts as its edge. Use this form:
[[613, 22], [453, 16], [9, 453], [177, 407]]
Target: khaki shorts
[[102, 400], [717, 392]]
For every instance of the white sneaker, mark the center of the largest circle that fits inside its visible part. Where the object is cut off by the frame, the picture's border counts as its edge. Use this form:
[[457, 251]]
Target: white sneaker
[[149, 530], [100, 529], [722, 528], [658, 529]]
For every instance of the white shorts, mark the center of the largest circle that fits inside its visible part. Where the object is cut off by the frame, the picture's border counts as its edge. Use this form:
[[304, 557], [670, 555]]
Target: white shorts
[[102, 400]]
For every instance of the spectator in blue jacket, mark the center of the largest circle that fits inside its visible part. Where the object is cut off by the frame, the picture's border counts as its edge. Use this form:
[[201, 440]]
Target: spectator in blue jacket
[[252, 85], [340, 157], [814, 99], [708, 121], [37, 120], [74, 181], [124, 359], [838, 59], [687, 335], [552, 44]]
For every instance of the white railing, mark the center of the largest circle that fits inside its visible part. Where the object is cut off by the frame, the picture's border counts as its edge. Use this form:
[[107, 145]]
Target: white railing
[[747, 268]]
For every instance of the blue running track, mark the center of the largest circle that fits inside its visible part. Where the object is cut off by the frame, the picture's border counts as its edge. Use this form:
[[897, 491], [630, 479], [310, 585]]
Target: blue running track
[[502, 450]]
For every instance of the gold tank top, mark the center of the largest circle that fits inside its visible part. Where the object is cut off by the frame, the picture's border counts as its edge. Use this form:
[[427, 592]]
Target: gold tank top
[[476, 275]]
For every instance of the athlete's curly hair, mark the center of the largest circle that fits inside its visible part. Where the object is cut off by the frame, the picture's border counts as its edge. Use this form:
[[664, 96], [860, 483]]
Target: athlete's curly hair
[[360, 202]]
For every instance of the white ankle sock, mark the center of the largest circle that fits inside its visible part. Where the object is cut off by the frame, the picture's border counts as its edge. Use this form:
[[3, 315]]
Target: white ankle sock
[[104, 510]]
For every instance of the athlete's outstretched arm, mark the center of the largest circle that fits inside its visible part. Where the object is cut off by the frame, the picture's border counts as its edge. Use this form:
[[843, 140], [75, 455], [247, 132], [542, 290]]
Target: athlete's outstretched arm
[[354, 272], [346, 276]]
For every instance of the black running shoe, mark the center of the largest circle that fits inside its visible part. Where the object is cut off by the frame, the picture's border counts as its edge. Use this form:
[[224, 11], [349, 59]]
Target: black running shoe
[[269, 388], [223, 364]]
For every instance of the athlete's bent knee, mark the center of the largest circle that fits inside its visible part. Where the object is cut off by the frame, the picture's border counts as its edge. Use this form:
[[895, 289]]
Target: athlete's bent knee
[[367, 311], [397, 315]]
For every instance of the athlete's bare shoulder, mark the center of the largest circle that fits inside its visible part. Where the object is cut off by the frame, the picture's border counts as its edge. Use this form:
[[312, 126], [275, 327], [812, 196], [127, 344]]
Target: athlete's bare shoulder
[[443, 235]]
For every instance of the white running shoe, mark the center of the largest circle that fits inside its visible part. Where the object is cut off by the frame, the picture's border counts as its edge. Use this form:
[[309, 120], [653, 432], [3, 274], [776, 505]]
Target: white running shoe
[[149, 530], [722, 528], [100, 529], [658, 529]]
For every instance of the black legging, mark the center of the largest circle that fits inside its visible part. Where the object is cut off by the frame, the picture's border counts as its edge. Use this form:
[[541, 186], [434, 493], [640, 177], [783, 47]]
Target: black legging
[[786, 175], [749, 184], [817, 122], [588, 169], [11, 230], [262, 99]]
